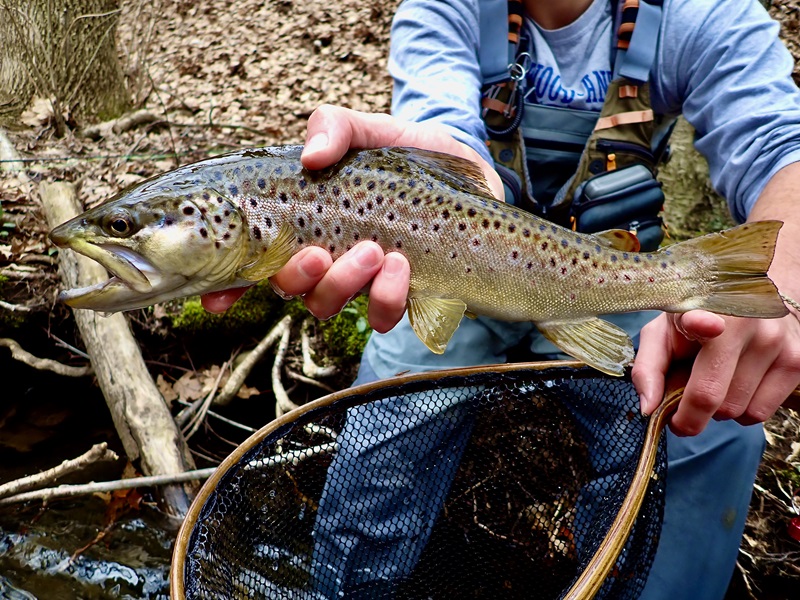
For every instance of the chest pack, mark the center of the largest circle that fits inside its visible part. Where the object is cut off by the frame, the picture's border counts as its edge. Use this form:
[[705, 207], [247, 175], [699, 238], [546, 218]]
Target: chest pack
[[582, 169]]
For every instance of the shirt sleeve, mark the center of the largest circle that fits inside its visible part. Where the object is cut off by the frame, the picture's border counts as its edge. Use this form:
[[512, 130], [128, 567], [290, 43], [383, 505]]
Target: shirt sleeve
[[434, 62], [723, 64]]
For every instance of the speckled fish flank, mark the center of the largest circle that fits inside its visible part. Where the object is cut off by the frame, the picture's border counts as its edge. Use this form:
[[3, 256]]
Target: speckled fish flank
[[238, 218]]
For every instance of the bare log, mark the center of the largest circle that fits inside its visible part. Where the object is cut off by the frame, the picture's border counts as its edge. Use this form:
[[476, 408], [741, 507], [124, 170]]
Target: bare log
[[140, 415]]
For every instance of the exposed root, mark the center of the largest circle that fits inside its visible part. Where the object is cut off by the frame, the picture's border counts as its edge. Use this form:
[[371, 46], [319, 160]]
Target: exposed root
[[310, 368], [44, 364]]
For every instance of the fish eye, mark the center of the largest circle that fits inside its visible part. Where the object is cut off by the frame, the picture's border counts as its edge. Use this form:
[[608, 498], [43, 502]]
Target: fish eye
[[119, 225]]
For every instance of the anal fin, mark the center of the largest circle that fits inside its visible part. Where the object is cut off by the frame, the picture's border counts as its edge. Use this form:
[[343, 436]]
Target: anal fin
[[598, 343], [435, 320]]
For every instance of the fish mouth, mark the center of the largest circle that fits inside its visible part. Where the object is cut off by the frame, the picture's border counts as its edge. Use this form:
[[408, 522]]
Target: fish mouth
[[133, 282]]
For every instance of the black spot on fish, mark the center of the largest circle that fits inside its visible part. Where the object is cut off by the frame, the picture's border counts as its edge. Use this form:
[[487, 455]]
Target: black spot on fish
[[356, 235], [594, 264], [318, 232], [319, 208], [321, 188], [436, 227], [515, 255], [217, 219], [497, 224], [597, 248], [411, 183], [663, 265], [261, 183], [544, 245], [586, 255], [469, 269], [253, 202], [476, 242], [233, 190], [206, 196], [564, 243], [472, 212], [188, 210], [231, 225], [227, 236], [332, 248], [369, 205], [361, 210], [392, 185], [486, 223], [439, 200], [169, 221], [416, 201], [613, 258], [401, 195], [624, 256], [552, 262], [299, 240], [458, 206], [356, 180], [346, 203], [390, 216], [563, 270], [301, 183], [203, 232], [398, 244], [256, 232], [529, 265], [227, 213], [427, 250], [627, 277], [542, 227], [512, 228], [370, 185], [283, 197], [462, 226], [337, 230], [637, 259], [268, 221], [445, 214], [414, 227], [374, 237], [453, 254], [336, 190], [379, 199], [217, 245], [399, 168], [574, 261]]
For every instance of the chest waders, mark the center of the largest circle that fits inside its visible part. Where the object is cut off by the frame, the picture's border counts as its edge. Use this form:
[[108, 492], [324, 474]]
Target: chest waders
[[578, 168]]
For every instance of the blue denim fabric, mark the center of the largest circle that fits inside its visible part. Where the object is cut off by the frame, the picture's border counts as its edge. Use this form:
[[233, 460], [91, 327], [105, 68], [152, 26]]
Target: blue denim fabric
[[364, 527]]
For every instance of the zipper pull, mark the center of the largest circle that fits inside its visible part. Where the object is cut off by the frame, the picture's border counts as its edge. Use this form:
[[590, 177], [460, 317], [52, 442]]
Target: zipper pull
[[611, 162]]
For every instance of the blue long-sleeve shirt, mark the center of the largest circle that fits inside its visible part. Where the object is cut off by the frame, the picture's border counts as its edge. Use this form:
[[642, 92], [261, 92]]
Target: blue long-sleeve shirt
[[718, 62]]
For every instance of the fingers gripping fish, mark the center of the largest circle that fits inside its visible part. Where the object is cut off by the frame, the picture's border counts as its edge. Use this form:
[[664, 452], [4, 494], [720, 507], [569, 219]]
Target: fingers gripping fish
[[235, 219]]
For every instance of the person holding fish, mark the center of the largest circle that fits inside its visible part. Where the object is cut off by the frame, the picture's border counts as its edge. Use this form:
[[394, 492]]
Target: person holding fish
[[564, 111], [722, 65]]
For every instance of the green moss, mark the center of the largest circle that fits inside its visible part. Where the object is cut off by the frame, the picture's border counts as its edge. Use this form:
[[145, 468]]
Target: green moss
[[790, 475], [260, 306], [345, 335]]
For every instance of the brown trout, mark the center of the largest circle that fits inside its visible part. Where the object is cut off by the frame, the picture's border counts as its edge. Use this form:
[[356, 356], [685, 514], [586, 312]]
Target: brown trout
[[235, 219]]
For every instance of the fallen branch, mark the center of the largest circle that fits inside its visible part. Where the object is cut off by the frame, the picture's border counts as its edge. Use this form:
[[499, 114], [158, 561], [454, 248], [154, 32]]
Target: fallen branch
[[120, 125], [240, 373], [141, 417], [292, 457], [97, 453], [44, 364], [15, 307]]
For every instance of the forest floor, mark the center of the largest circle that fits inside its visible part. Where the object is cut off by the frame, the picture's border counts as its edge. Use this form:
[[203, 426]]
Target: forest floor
[[217, 76]]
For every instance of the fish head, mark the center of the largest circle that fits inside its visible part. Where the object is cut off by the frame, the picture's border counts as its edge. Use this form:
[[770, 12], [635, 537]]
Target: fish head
[[159, 242]]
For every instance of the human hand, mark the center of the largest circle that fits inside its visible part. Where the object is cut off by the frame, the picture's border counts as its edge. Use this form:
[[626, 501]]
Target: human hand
[[311, 273], [743, 369]]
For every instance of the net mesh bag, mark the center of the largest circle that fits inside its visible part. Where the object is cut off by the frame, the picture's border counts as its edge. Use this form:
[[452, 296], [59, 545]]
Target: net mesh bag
[[483, 483]]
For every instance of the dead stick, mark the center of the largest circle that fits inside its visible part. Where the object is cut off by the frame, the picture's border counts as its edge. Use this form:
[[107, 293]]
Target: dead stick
[[97, 453], [44, 364]]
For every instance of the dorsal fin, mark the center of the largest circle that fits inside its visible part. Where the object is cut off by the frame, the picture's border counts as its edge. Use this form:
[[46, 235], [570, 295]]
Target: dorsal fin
[[459, 173]]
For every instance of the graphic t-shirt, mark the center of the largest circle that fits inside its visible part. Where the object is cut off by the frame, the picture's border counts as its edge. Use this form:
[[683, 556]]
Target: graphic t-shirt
[[579, 77]]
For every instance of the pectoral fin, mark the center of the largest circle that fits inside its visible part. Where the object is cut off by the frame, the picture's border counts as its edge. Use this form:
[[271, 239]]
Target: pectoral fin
[[274, 258], [598, 343], [435, 320]]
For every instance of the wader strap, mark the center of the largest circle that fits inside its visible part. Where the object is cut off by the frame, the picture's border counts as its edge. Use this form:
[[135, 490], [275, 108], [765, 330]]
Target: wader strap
[[497, 51]]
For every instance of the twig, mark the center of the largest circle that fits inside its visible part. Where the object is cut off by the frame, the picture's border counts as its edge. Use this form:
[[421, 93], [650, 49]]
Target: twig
[[219, 417], [69, 491], [97, 453], [240, 373], [292, 457], [120, 125], [201, 412], [310, 368], [282, 402], [15, 307], [43, 364]]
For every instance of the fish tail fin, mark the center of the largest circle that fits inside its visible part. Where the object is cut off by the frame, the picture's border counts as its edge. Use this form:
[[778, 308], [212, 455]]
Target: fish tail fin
[[740, 284]]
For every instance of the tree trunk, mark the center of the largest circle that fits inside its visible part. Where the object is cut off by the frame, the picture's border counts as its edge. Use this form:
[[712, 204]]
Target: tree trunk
[[65, 51]]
